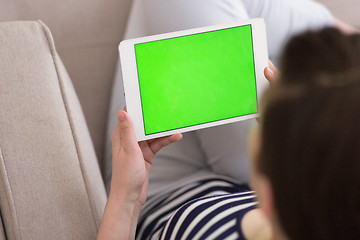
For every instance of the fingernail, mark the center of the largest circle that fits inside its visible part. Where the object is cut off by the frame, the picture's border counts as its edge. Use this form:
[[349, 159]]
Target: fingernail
[[121, 116], [271, 72]]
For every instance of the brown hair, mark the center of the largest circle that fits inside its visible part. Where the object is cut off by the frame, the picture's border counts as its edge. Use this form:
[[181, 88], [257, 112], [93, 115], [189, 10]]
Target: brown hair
[[311, 137]]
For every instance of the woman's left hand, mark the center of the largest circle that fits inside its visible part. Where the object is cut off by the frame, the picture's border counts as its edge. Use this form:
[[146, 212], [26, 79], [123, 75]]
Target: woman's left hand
[[130, 179]]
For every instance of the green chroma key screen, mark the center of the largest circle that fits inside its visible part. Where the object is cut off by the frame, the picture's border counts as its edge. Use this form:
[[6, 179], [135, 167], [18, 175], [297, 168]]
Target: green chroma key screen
[[196, 79]]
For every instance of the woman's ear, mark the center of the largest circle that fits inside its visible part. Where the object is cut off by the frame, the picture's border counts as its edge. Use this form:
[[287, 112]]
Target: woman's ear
[[266, 196]]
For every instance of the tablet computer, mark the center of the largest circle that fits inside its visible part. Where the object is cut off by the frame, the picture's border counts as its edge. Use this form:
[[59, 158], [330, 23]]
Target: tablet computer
[[193, 79]]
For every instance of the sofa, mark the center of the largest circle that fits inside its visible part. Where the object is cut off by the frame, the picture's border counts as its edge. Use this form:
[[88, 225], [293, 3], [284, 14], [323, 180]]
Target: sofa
[[55, 85], [51, 185]]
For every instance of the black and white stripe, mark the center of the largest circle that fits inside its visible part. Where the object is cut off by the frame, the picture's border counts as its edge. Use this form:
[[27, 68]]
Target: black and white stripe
[[205, 209]]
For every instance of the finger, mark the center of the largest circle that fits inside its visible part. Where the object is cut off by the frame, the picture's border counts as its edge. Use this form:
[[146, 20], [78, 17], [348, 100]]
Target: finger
[[125, 109], [115, 140], [159, 143], [272, 67], [127, 133], [151, 140]]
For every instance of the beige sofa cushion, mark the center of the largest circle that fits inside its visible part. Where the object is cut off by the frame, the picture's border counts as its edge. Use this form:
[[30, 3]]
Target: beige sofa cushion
[[2, 233], [50, 182], [87, 34]]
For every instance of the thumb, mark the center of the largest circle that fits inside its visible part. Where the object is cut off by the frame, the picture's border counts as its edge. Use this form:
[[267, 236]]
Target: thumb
[[128, 140]]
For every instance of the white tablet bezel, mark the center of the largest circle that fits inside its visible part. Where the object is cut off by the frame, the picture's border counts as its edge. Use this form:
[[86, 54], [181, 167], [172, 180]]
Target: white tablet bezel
[[131, 83]]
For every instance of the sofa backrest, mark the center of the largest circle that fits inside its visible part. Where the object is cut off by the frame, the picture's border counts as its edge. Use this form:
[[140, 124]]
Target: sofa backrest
[[86, 34], [346, 10]]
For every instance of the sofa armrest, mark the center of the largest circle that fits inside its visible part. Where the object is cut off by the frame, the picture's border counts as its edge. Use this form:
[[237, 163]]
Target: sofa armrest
[[2, 232], [50, 181]]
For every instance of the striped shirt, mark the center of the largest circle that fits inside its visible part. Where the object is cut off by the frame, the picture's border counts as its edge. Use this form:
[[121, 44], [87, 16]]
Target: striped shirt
[[207, 209]]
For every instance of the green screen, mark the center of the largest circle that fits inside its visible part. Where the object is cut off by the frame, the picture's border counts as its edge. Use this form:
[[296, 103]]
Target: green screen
[[196, 79]]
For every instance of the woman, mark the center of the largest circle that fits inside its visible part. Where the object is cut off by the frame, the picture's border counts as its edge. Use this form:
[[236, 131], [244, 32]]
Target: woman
[[212, 150], [305, 155]]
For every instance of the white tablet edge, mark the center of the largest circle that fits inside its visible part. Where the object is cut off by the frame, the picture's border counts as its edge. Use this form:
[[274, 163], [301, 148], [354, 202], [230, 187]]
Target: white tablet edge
[[132, 91]]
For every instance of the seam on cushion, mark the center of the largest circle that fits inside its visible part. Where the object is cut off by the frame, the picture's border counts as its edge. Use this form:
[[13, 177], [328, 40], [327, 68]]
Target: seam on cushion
[[53, 53], [10, 198], [2, 230]]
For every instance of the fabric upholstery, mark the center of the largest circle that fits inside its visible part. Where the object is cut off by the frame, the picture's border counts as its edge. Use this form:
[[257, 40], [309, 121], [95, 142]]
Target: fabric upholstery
[[2, 232], [87, 34], [346, 10], [50, 181]]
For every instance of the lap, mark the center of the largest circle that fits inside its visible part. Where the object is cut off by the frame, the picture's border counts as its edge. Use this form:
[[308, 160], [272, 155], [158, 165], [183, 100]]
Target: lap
[[206, 198]]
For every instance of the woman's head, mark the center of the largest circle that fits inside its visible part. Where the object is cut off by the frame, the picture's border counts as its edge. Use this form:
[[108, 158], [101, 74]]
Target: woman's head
[[310, 138]]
